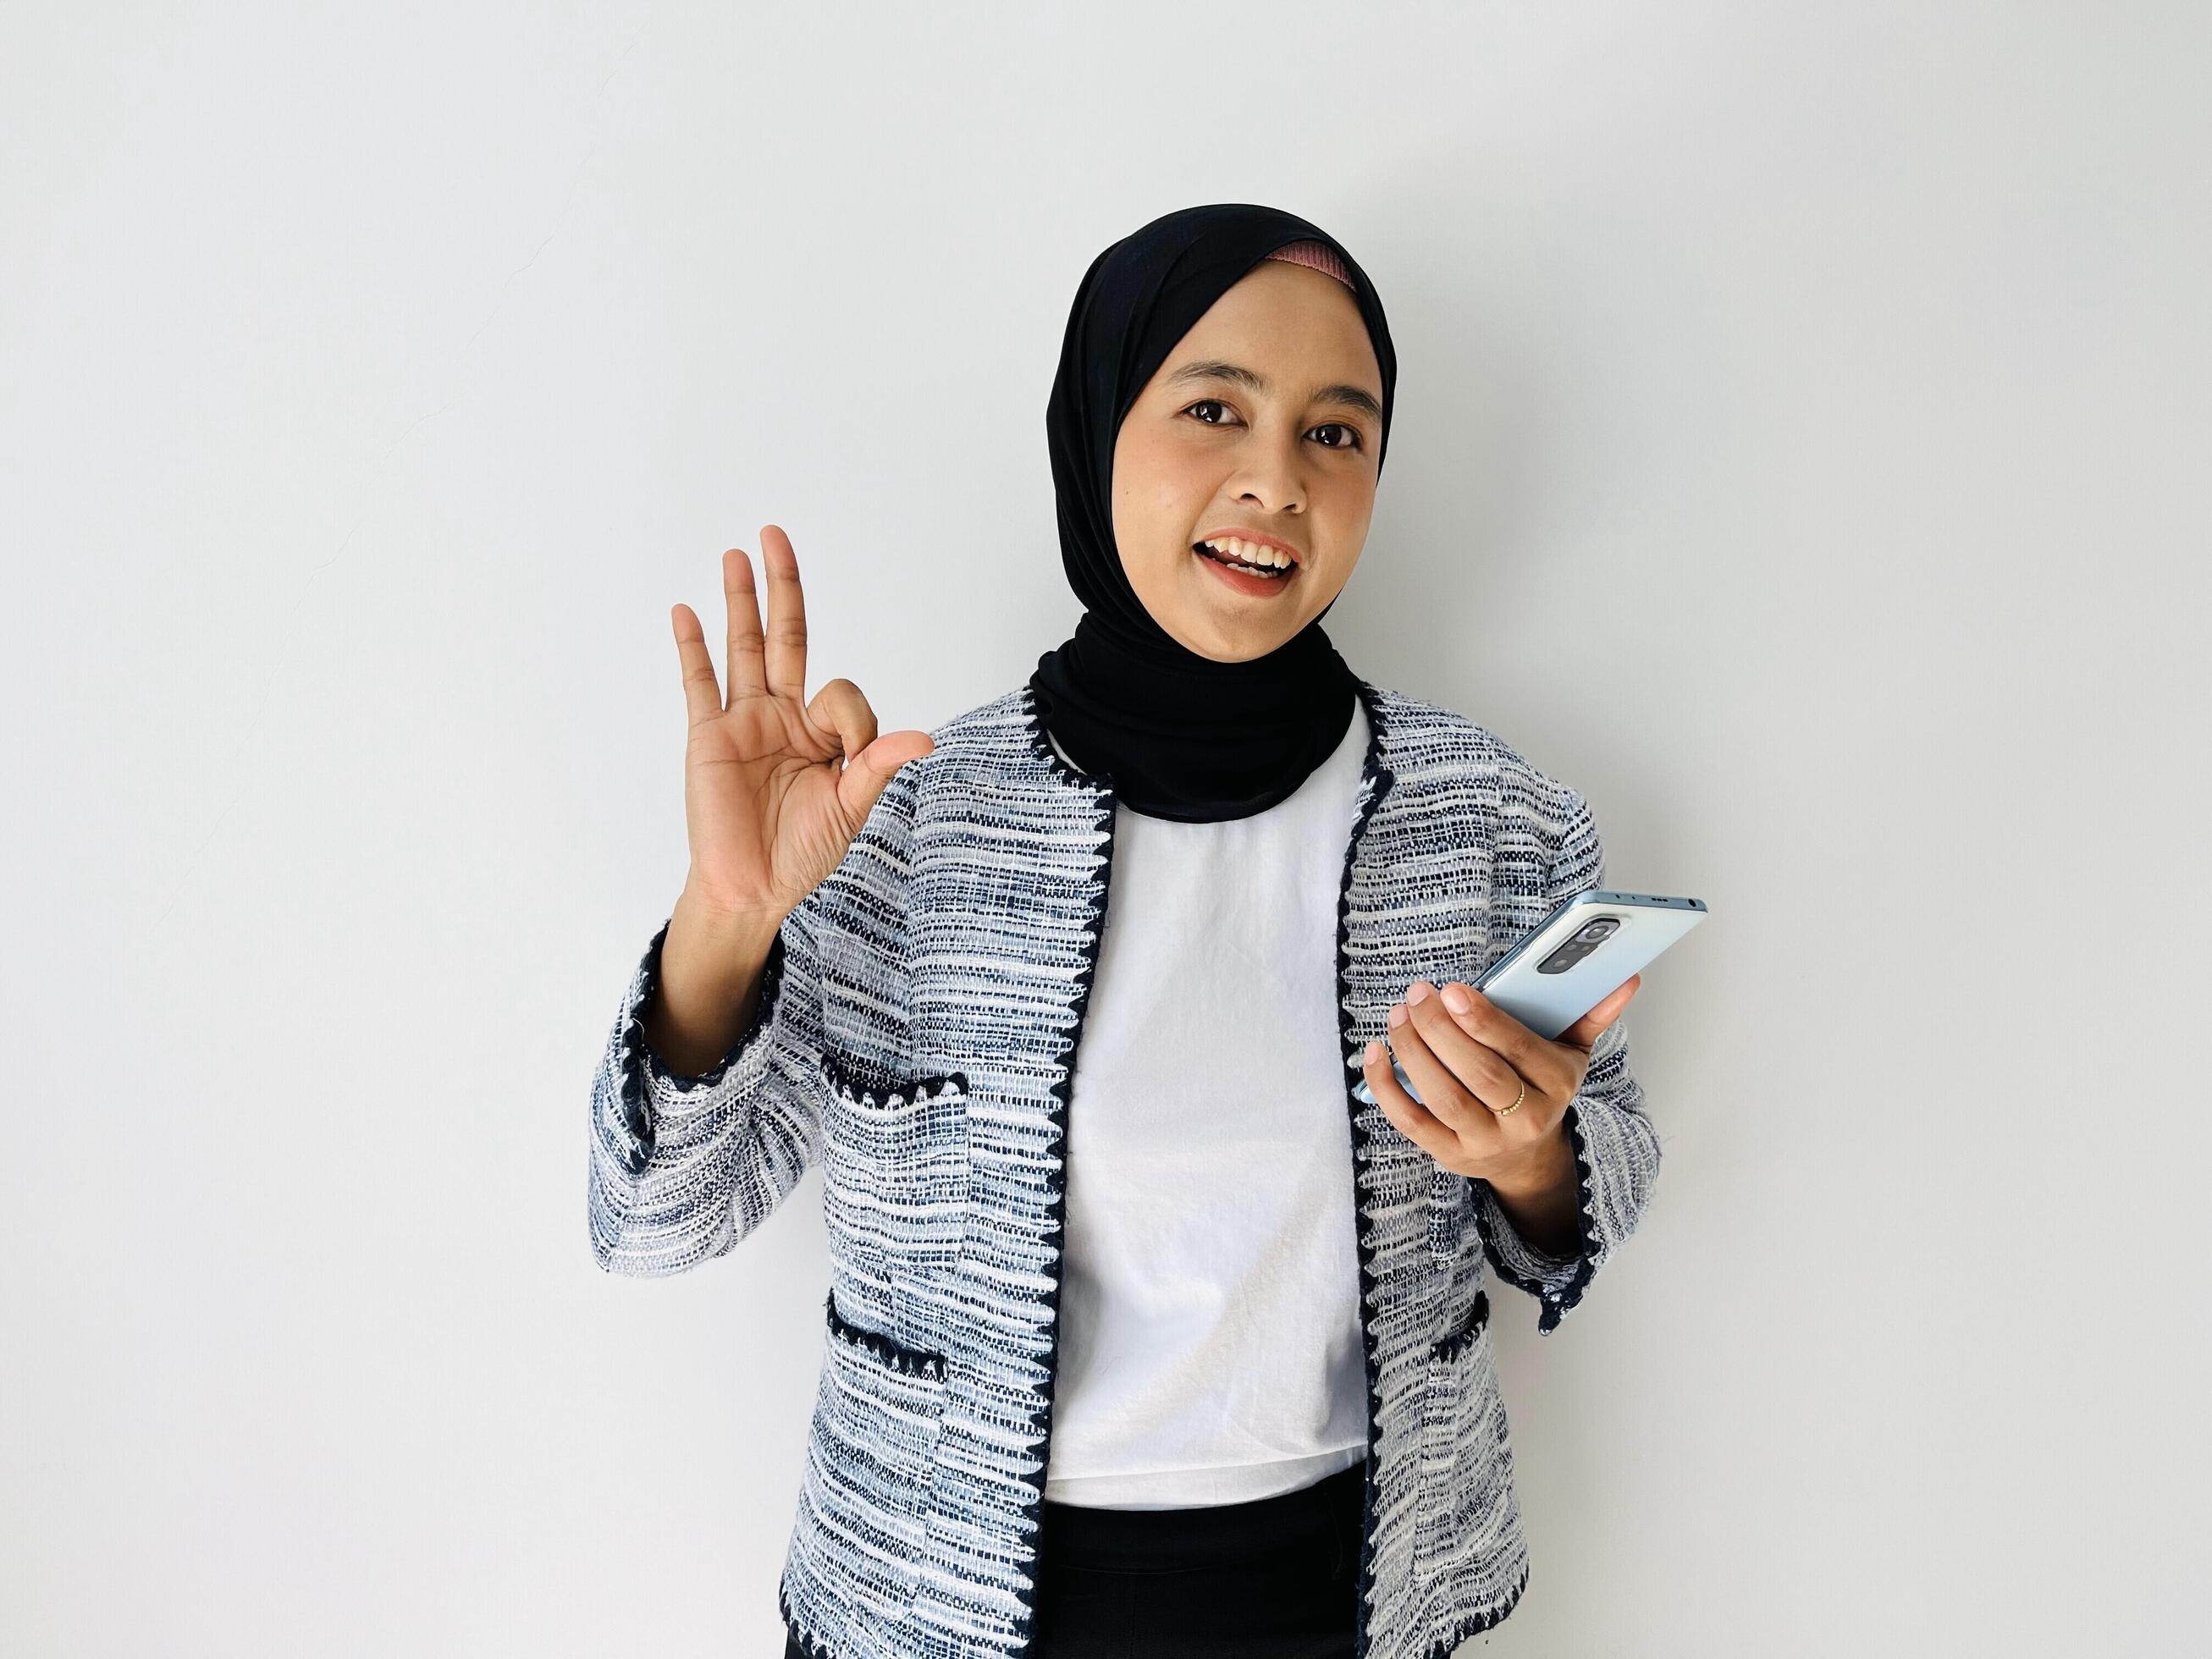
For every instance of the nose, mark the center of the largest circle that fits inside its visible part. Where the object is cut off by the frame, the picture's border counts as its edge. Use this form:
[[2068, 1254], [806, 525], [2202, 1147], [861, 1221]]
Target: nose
[[1273, 483]]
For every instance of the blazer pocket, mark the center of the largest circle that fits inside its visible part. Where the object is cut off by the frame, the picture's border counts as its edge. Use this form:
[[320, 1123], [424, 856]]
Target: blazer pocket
[[878, 1415], [1467, 1492], [872, 1084], [1464, 1331], [881, 1404], [926, 1364], [894, 1169]]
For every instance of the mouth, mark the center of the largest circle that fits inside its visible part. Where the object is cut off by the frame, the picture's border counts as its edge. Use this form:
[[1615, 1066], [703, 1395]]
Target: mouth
[[1248, 567]]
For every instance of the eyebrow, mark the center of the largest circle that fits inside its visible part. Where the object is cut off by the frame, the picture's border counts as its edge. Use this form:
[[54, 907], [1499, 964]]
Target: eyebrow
[[1348, 397]]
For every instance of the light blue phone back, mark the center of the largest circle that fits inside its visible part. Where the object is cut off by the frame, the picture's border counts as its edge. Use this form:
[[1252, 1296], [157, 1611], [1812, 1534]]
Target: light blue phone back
[[1549, 1003]]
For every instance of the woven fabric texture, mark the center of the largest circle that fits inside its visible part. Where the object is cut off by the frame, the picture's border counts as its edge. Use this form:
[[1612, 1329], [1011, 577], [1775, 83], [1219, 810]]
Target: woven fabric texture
[[915, 1041]]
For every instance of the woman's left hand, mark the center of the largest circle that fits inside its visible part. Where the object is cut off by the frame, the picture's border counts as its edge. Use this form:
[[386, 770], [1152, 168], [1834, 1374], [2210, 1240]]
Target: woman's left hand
[[1469, 1063]]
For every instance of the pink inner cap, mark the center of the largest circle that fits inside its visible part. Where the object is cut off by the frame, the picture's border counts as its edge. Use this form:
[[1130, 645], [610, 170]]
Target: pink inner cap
[[1315, 256]]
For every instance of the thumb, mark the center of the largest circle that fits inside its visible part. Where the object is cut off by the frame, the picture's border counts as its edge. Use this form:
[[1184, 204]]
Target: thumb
[[1584, 1032], [865, 776]]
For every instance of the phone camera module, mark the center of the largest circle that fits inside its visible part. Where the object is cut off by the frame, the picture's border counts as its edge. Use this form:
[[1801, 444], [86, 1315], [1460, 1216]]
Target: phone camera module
[[1587, 938]]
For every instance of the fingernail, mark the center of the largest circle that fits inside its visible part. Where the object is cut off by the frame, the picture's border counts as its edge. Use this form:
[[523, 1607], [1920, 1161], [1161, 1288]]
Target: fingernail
[[1418, 990], [1374, 1053], [1398, 1014], [1456, 999]]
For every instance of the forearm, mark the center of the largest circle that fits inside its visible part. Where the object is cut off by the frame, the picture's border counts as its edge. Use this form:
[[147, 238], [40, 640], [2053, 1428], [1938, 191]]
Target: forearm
[[711, 970], [1544, 1201]]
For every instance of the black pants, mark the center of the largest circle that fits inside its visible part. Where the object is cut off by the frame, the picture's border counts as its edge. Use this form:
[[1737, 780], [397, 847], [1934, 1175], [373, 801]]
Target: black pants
[[1274, 1578]]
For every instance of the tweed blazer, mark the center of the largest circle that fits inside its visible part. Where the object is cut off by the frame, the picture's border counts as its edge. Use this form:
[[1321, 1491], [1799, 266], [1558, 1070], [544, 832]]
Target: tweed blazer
[[917, 1036]]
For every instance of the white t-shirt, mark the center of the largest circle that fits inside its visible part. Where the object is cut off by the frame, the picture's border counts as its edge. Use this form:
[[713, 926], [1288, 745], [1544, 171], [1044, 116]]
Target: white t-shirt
[[1210, 1333]]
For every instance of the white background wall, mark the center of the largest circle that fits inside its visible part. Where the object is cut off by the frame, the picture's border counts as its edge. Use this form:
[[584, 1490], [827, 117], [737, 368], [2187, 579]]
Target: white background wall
[[1800, 447]]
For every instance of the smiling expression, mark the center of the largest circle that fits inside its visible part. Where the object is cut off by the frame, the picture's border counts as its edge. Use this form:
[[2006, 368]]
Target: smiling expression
[[1264, 420]]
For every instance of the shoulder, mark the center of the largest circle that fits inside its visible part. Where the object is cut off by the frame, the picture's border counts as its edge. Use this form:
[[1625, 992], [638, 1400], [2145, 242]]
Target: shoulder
[[1439, 748], [980, 745], [978, 751], [1002, 726], [986, 738], [1535, 830]]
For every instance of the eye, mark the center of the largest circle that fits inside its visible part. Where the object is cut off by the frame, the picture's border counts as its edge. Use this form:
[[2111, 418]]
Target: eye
[[1350, 440]]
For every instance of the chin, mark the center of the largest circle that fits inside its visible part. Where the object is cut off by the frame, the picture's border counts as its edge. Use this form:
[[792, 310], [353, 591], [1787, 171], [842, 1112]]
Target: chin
[[1243, 646]]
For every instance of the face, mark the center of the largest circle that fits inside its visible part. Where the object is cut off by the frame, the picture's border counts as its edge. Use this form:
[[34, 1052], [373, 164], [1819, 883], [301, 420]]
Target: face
[[1263, 420]]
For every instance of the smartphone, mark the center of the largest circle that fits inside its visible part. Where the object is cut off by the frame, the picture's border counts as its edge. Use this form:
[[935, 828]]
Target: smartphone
[[1588, 948]]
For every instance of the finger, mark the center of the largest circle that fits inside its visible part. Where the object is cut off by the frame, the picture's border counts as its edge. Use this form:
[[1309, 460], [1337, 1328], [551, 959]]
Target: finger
[[1447, 1095], [743, 648], [1485, 1072], [872, 770], [1584, 1032], [1525, 1053], [702, 693], [870, 761], [1412, 1119], [838, 709], [787, 617]]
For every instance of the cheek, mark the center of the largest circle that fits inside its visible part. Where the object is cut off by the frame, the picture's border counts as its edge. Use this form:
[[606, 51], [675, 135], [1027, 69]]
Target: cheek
[[1347, 510], [1150, 532], [1160, 487]]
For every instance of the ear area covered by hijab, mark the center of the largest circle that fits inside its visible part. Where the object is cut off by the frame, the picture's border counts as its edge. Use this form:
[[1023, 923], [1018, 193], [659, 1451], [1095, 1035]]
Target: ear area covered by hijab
[[1176, 733]]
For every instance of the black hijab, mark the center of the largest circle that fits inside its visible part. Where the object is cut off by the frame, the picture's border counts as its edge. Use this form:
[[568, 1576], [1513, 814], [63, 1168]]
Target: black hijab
[[1177, 734]]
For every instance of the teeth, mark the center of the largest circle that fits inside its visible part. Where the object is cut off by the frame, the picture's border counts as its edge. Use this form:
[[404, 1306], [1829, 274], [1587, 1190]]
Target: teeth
[[1268, 558]]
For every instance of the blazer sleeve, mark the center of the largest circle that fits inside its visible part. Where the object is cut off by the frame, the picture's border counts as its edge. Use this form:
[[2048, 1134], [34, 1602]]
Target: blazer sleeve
[[684, 1168], [1616, 1148]]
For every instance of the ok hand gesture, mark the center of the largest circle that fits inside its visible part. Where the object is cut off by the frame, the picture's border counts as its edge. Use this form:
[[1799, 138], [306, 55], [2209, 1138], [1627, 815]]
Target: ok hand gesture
[[775, 787]]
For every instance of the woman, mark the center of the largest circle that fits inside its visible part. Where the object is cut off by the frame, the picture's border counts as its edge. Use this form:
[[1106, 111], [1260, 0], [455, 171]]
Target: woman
[[1145, 1334]]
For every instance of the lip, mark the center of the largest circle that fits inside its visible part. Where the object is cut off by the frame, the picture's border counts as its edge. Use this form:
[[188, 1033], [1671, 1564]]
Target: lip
[[1261, 587], [1243, 535]]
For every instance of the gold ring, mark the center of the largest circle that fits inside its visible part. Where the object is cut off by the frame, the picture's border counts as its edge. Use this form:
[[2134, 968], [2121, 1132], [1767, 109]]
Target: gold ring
[[1517, 1099]]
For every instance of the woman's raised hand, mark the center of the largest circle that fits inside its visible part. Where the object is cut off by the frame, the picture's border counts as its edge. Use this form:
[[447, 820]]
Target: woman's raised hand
[[775, 787]]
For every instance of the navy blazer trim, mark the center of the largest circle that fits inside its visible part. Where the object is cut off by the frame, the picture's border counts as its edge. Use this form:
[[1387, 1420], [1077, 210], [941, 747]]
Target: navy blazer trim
[[917, 1034]]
